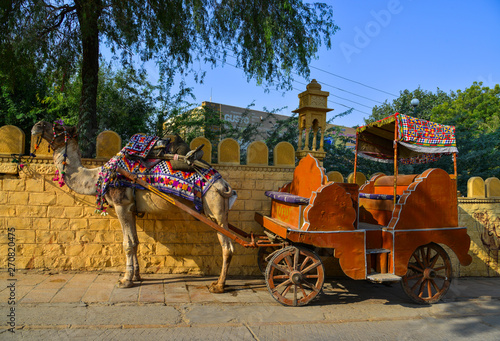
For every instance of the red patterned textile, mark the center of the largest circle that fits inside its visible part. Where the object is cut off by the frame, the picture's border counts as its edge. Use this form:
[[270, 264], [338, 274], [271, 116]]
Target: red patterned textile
[[140, 145], [419, 141], [425, 133], [191, 186]]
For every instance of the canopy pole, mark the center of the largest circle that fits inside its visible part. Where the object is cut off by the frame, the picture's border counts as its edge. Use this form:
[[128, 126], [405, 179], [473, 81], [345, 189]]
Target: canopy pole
[[395, 160], [356, 159], [455, 166]]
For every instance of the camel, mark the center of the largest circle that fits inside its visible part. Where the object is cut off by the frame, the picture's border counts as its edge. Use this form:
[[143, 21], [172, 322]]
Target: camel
[[216, 201]]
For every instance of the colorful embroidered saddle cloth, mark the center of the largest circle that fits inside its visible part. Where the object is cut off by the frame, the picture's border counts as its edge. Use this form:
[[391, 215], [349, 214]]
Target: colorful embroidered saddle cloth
[[140, 145], [146, 147], [191, 186]]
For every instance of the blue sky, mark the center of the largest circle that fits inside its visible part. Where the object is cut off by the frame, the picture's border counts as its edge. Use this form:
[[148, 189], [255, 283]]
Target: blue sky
[[389, 45]]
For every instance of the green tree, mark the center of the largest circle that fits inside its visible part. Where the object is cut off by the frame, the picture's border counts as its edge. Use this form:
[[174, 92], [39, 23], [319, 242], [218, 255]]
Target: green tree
[[338, 157], [475, 112], [21, 88], [476, 109], [126, 102], [402, 104], [268, 38], [189, 122], [28, 99], [284, 130]]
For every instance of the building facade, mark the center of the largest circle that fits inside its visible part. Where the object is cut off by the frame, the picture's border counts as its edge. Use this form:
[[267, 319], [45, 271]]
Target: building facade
[[238, 116]]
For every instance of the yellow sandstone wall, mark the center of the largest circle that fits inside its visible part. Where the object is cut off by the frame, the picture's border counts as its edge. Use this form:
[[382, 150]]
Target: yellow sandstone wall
[[482, 218], [57, 229]]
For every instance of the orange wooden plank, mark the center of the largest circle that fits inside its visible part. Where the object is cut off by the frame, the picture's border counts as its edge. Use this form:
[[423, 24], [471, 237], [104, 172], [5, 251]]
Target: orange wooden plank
[[429, 202], [349, 248], [330, 209], [307, 177], [288, 213], [406, 242], [277, 227]]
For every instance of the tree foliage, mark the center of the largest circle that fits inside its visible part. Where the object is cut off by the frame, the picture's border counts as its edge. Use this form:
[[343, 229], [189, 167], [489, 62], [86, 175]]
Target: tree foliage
[[284, 130], [126, 102], [402, 104], [475, 113], [189, 122], [475, 110], [268, 38], [28, 98], [207, 121]]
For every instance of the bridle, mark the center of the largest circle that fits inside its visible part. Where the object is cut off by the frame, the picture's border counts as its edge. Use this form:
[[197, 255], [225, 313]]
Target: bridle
[[67, 137]]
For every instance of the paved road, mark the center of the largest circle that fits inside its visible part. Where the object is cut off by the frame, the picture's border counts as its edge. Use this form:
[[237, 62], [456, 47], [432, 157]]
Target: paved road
[[176, 307]]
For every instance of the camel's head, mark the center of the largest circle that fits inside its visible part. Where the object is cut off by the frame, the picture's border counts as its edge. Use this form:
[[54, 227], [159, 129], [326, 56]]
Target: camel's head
[[54, 133]]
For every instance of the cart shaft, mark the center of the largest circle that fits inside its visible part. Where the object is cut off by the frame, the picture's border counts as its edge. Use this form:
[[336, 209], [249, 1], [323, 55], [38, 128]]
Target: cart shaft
[[234, 233]]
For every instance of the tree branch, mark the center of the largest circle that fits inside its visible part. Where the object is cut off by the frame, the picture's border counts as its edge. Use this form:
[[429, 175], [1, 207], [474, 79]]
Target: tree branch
[[64, 10]]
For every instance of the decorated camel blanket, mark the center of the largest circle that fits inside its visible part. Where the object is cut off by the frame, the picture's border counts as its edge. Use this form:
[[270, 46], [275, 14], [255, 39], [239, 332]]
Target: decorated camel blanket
[[188, 185], [140, 145]]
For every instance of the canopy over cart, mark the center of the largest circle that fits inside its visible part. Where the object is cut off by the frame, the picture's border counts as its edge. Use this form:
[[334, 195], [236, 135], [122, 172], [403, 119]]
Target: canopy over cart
[[406, 140]]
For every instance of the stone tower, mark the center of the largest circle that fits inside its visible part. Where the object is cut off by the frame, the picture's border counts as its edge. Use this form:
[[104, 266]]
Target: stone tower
[[312, 120]]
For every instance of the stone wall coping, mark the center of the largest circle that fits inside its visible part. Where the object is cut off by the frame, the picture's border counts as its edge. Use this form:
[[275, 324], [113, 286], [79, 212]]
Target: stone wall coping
[[465, 200], [47, 160]]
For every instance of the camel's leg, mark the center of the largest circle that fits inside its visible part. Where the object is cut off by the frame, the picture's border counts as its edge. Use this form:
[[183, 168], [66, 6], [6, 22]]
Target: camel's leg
[[137, 275], [216, 207], [227, 253], [130, 243]]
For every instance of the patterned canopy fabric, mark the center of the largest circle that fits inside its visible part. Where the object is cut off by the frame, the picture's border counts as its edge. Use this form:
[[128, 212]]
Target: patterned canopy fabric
[[425, 133], [419, 141]]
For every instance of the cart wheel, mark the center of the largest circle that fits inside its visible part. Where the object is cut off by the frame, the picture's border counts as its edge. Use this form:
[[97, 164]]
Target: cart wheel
[[294, 276], [429, 274], [262, 254]]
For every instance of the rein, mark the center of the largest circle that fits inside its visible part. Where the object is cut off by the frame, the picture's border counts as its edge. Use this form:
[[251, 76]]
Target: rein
[[18, 158]]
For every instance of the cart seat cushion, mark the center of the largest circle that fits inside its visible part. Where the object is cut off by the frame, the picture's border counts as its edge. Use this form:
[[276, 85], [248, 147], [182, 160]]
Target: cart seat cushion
[[287, 197], [378, 196]]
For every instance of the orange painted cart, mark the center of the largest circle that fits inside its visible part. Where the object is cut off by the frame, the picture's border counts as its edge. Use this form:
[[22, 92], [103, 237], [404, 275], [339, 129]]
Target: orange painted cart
[[389, 229]]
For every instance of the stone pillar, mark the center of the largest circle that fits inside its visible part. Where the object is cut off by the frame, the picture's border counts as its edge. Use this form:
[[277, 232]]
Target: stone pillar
[[312, 119]]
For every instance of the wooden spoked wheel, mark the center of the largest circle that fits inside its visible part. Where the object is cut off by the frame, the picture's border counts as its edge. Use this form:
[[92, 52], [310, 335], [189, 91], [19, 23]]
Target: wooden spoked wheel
[[429, 274], [295, 276], [262, 254]]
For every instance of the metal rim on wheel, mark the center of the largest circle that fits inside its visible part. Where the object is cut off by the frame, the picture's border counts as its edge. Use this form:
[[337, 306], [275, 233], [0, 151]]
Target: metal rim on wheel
[[295, 276], [429, 274]]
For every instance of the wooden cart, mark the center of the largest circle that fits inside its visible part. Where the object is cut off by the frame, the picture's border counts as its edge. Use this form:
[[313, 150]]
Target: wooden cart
[[390, 229]]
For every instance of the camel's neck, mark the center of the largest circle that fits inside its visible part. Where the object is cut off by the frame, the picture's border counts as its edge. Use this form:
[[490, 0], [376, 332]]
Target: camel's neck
[[78, 178]]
